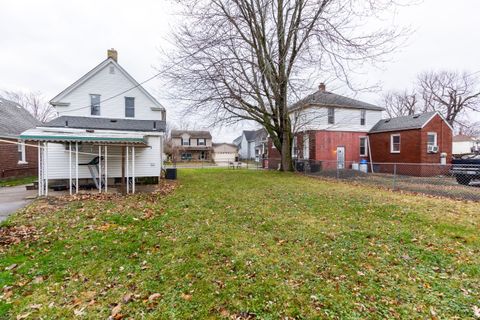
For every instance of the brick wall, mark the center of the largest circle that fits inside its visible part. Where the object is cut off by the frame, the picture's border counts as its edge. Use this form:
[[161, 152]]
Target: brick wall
[[9, 166]]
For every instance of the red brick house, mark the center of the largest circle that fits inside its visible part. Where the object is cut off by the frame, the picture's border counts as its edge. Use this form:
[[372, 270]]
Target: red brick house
[[16, 160], [330, 128], [416, 139]]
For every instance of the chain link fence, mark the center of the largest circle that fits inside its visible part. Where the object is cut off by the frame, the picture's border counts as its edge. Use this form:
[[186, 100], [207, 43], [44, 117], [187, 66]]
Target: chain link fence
[[453, 181]]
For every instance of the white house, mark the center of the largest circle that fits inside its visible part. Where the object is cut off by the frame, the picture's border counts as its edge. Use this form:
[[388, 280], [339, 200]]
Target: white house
[[109, 131], [250, 143], [463, 144]]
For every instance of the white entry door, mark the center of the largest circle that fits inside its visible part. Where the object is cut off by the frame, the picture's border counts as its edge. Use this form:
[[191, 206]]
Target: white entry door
[[341, 157]]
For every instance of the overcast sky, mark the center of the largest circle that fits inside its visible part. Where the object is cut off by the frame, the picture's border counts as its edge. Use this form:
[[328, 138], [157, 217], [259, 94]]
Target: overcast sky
[[46, 45]]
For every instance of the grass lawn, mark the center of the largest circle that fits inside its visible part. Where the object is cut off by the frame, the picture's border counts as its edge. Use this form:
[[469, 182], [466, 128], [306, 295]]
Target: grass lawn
[[17, 181], [243, 244]]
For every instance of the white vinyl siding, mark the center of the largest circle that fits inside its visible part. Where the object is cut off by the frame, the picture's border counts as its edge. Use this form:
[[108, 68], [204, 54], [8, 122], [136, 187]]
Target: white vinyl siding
[[147, 160]]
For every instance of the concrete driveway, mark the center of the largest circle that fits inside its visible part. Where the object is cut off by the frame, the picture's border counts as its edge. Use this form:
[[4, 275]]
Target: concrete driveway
[[14, 198]]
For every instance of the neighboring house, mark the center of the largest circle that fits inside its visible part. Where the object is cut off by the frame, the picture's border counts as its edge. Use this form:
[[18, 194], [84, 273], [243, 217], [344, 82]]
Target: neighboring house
[[190, 145], [224, 153], [17, 159], [108, 120], [331, 128], [251, 144], [415, 139], [463, 144]]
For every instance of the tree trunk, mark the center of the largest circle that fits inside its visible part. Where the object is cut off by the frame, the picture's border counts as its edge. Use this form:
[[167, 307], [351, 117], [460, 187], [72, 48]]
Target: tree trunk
[[286, 152]]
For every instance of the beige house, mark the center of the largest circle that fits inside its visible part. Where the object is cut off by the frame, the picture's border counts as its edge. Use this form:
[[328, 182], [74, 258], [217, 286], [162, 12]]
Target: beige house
[[224, 153], [190, 145]]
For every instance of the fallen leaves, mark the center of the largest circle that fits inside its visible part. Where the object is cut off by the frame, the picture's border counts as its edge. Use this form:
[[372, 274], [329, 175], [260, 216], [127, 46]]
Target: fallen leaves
[[10, 235], [153, 297]]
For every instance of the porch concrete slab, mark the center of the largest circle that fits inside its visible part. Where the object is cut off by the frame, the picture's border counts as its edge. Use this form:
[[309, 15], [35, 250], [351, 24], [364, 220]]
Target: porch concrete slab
[[13, 199]]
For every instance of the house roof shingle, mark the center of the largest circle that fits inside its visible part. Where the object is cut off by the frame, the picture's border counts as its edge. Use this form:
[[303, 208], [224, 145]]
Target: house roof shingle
[[107, 124], [416, 121], [463, 138], [192, 134], [14, 119], [329, 99]]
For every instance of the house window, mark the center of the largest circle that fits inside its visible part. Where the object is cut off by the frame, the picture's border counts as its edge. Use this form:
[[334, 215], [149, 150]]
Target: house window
[[21, 152], [129, 107], [363, 146], [201, 142], [294, 147], [202, 155], [331, 115], [95, 104], [363, 117], [306, 147], [185, 142], [186, 156], [432, 142], [395, 143]]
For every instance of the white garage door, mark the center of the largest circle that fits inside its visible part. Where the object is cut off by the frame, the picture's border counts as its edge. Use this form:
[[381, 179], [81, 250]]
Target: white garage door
[[224, 157]]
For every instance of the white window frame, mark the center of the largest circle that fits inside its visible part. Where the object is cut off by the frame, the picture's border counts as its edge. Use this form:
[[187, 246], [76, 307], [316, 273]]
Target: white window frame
[[21, 150], [435, 141], [185, 142], [363, 117], [331, 115], [399, 143], [203, 140], [306, 146], [360, 147], [294, 147]]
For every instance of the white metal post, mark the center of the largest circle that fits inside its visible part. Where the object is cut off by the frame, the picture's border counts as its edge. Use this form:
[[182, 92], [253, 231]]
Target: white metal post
[[40, 171], [70, 166], [106, 168], [76, 168], [99, 169], [46, 168], [128, 180], [133, 169]]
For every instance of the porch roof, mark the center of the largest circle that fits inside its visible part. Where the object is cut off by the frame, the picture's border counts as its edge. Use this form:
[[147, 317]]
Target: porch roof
[[83, 136]]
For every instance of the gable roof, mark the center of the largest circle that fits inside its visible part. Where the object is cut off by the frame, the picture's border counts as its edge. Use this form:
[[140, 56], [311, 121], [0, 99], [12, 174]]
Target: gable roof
[[416, 121], [463, 138], [250, 135], [329, 99], [14, 119], [56, 100], [192, 133], [107, 124]]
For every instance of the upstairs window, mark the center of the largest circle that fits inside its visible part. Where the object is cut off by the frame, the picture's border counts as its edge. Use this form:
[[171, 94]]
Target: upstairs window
[[95, 104], [129, 107], [331, 115], [395, 143], [201, 142], [363, 146], [185, 142], [363, 117]]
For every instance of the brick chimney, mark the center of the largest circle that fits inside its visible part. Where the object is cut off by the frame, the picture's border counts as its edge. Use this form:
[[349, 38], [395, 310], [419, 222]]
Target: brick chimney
[[322, 87], [112, 53]]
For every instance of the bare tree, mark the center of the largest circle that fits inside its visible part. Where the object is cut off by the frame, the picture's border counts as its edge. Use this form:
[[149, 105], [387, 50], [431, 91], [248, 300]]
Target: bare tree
[[399, 104], [450, 93], [245, 60], [33, 102]]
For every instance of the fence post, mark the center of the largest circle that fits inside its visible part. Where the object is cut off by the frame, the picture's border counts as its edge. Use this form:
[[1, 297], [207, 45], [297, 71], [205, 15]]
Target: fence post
[[394, 175]]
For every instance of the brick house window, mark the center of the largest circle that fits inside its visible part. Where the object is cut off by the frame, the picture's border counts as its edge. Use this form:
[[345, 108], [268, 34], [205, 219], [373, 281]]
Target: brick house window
[[395, 143], [129, 107], [331, 115], [306, 146], [431, 140], [21, 152], [201, 142], [363, 117], [95, 104], [363, 146]]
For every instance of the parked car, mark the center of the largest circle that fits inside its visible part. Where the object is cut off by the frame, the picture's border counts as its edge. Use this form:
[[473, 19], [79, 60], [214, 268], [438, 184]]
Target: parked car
[[466, 168]]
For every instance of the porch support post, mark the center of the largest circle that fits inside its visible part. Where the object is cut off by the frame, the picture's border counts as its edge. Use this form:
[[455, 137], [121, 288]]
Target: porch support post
[[127, 175], [40, 171], [70, 167], [99, 169], [133, 169], [76, 168], [106, 168], [123, 170], [46, 168]]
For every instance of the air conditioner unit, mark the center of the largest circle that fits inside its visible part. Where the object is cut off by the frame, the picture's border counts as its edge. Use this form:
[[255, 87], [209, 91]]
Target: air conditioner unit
[[432, 149]]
